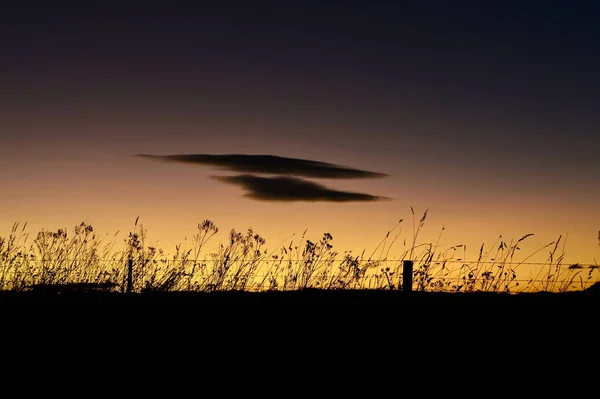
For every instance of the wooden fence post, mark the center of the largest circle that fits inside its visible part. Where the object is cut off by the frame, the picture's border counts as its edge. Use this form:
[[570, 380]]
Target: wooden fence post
[[407, 268]]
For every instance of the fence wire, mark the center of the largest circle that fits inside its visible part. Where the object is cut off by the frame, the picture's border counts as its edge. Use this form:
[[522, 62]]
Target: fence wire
[[324, 259]]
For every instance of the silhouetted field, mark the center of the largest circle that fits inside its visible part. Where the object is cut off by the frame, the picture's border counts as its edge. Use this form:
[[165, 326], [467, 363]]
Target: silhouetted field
[[58, 266]]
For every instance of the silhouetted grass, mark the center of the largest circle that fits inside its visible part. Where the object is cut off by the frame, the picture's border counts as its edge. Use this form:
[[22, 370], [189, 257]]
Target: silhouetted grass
[[80, 260]]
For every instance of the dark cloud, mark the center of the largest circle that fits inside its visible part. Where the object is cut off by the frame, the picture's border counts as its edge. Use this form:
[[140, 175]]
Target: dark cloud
[[270, 164], [292, 189]]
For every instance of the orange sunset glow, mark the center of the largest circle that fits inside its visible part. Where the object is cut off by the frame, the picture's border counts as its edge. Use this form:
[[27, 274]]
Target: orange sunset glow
[[461, 127]]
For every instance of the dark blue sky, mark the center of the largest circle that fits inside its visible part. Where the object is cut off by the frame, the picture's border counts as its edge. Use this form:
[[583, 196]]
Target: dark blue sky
[[532, 61], [538, 58]]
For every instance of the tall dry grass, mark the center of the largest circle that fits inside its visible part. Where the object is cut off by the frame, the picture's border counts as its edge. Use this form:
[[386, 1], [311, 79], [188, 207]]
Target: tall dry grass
[[242, 262]]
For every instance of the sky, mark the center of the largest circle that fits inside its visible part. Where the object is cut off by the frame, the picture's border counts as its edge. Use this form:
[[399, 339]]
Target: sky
[[316, 116]]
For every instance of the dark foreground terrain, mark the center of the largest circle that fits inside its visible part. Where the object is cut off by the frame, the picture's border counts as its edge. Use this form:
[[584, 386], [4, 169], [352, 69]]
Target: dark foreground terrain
[[309, 296], [272, 319]]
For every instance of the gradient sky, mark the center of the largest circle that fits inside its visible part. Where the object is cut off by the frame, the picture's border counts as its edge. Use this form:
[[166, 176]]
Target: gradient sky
[[484, 112]]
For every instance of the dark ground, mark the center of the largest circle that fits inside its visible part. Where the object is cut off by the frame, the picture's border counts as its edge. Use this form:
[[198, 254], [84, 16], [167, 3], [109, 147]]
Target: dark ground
[[310, 296], [274, 323]]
